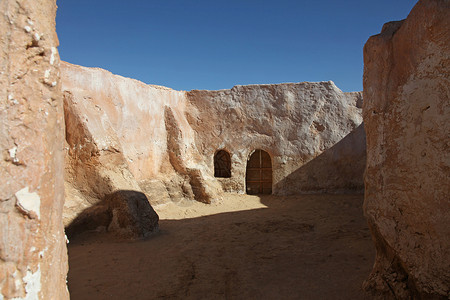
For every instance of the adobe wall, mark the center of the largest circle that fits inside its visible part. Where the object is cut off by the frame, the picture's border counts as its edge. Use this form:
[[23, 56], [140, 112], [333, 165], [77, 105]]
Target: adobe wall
[[33, 254], [124, 135], [164, 140], [299, 124], [406, 116]]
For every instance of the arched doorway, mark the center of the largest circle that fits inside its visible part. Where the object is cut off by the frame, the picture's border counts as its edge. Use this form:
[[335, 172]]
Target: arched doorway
[[222, 164], [258, 178]]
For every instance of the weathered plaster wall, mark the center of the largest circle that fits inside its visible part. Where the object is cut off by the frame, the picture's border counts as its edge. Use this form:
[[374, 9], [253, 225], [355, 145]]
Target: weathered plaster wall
[[298, 124], [123, 135], [126, 114], [406, 116], [33, 254], [164, 140]]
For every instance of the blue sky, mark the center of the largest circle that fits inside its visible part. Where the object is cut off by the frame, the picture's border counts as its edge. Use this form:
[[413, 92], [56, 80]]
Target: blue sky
[[214, 45]]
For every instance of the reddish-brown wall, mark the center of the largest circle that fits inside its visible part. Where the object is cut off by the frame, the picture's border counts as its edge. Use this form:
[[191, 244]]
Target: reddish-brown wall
[[406, 115], [33, 254]]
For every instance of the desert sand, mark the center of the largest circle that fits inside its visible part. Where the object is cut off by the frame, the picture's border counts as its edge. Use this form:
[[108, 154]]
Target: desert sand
[[245, 247]]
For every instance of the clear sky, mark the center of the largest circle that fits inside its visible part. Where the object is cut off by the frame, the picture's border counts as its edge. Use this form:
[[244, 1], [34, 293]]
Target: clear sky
[[212, 44]]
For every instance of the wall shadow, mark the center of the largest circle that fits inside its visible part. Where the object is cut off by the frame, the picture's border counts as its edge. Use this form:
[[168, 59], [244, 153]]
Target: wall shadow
[[339, 169], [299, 247], [126, 213]]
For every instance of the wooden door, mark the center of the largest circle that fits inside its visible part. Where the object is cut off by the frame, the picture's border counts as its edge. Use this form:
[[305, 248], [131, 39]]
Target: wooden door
[[258, 178]]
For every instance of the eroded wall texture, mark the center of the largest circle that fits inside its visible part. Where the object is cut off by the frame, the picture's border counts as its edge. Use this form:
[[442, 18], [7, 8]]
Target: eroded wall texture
[[406, 117], [301, 125], [33, 254], [122, 134]]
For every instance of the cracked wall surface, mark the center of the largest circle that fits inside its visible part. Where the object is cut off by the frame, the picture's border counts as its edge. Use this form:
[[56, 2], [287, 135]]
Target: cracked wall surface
[[406, 118], [162, 142], [124, 135], [301, 125], [33, 254]]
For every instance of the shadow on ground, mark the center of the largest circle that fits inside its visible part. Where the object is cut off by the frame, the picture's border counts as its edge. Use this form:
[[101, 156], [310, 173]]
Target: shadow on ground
[[125, 213], [300, 247]]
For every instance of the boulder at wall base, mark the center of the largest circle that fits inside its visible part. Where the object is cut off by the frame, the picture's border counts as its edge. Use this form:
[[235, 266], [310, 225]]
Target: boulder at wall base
[[406, 117], [128, 214], [132, 214]]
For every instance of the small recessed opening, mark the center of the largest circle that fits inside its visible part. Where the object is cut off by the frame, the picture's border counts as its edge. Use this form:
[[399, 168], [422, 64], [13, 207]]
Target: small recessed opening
[[222, 164]]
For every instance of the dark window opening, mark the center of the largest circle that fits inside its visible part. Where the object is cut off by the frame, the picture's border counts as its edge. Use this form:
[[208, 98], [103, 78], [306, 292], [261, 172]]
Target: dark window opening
[[222, 164]]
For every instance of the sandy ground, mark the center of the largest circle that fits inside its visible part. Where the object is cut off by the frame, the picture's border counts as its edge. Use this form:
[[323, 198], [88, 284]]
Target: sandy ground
[[247, 247]]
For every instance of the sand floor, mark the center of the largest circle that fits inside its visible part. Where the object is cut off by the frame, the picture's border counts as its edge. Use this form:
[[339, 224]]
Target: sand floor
[[247, 247]]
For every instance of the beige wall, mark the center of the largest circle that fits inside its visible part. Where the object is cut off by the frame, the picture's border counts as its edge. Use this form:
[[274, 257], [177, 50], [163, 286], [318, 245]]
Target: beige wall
[[303, 126], [406, 117], [33, 254], [168, 138]]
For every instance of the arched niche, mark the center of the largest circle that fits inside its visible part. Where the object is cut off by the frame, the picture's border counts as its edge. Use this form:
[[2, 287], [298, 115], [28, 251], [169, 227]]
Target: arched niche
[[222, 164]]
